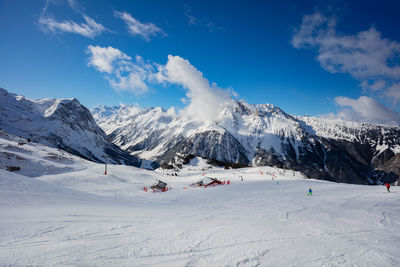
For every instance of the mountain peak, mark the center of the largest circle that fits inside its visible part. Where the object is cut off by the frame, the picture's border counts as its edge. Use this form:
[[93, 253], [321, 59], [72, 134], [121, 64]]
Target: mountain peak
[[260, 135], [62, 123]]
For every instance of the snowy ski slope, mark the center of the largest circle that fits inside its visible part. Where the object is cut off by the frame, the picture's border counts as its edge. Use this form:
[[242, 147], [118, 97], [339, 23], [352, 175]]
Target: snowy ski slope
[[62, 210], [85, 218]]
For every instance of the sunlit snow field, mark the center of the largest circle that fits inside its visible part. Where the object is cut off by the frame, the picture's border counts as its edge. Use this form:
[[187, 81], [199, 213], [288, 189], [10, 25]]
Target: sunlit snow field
[[83, 217]]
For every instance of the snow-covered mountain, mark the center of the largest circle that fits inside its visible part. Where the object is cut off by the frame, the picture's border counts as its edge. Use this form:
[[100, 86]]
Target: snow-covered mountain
[[60, 123], [259, 135]]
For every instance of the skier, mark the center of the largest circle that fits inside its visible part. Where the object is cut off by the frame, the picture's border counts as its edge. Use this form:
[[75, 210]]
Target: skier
[[387, 187], [310, 192]]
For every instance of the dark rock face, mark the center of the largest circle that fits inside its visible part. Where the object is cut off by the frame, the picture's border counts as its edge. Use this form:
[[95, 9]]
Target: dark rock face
[[322, 159], [211, 145], [382, 158], [338, 161], [389, 171]]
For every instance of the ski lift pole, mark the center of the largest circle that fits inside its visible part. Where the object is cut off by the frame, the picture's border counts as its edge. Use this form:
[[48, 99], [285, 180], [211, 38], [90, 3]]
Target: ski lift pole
[[105, 167]]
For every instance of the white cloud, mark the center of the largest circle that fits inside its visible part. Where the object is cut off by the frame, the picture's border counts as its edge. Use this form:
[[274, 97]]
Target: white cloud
[[364, 55], [205, 99], [135, 27], [121, 71], [103, 58], [171, 111], [90, 28], [132, 82], [365, 109]]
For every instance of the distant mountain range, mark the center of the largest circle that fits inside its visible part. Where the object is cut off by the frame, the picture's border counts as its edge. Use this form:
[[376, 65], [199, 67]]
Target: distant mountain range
[[243, 134], [240, 135], [60, 123]]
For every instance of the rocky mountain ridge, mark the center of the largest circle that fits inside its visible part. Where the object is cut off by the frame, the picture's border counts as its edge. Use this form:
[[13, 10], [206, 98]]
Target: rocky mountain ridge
[[60, 123], [258, 135]]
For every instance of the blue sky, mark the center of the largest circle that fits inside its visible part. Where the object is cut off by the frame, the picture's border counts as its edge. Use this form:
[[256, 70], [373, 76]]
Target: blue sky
[[330, 58]]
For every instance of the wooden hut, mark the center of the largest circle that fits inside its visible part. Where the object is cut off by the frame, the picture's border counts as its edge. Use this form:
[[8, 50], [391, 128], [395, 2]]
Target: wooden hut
[[160, 185], [208, 181]]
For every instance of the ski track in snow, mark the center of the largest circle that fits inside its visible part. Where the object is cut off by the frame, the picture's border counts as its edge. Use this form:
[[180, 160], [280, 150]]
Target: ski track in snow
[[73, 219]]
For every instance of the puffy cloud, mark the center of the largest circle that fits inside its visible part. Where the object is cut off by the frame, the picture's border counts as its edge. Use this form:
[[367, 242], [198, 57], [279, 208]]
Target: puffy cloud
[[103, 58], [122, 72], [132, 82], [365, 109], [90, 28], [135, 27], [205, 99]]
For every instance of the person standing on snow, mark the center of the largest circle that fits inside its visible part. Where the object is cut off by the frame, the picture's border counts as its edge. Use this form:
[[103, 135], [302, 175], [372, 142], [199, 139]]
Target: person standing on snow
[[310, 192], [387, 187]]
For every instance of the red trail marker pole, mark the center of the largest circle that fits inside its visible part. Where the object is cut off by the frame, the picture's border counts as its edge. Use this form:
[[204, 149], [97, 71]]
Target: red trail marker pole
[[105, 167]]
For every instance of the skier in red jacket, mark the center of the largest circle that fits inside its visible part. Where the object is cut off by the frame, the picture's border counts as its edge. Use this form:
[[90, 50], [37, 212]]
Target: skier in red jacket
[[387, 187]]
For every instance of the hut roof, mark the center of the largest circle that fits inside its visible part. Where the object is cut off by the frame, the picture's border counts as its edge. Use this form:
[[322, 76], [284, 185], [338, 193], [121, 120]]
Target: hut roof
[[208, 181], [159, 185]]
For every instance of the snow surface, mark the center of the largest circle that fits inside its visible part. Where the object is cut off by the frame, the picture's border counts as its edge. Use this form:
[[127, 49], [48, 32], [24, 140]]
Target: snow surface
[[83, 217]]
